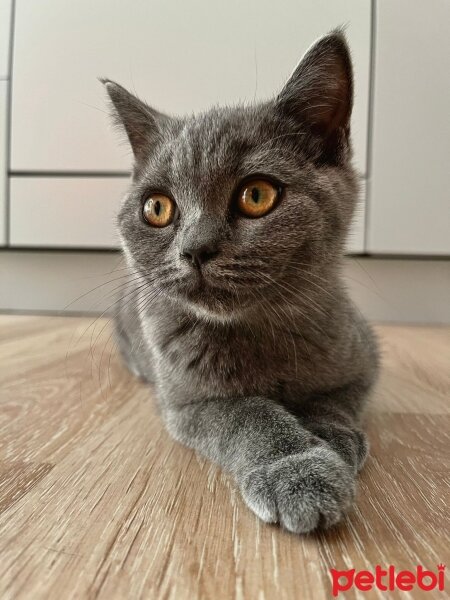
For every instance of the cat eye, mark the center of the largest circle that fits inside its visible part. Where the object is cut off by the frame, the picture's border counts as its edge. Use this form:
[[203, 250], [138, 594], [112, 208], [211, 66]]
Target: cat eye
[[257, 197], [159, 210]]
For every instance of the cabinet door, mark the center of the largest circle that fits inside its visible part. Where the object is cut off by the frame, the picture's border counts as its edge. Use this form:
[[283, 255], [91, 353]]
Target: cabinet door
[[179, 56], [80, 212], [409, 210], [5, 32], [65, 212]]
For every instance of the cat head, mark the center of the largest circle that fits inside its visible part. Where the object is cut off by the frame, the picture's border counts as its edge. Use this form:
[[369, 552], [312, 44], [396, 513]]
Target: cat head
[[240, 203]]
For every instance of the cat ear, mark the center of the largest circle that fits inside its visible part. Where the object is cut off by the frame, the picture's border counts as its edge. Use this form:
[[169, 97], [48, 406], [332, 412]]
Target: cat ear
[[320, 90], [142, 123]]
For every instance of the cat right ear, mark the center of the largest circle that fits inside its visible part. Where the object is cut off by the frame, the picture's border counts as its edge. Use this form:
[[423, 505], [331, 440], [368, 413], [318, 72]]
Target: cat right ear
[[141, 123], [319, 93]]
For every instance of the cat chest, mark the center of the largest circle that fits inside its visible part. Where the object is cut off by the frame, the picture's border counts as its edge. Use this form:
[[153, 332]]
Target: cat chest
[[216, 365]]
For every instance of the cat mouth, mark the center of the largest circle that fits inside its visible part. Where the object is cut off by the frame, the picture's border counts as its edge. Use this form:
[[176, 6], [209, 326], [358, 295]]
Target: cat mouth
[[206, 289], [201, 295], [201, 291]]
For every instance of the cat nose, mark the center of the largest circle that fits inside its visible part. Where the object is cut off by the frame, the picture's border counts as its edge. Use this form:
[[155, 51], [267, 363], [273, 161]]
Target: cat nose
[[201, 254]]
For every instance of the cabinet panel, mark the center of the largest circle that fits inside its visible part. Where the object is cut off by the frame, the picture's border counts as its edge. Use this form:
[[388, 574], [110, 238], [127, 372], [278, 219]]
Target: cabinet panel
[[409, 208], [62, 212], [5, 32], [179, 56], [3, 158], [79, 212]]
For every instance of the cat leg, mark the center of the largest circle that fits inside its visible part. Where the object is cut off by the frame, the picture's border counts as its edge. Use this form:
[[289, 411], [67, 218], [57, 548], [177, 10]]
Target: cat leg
[[285, 473], [334, 417]]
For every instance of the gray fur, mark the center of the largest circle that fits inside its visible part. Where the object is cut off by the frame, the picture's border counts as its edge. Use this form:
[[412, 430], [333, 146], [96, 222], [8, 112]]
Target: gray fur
[[259, 360]]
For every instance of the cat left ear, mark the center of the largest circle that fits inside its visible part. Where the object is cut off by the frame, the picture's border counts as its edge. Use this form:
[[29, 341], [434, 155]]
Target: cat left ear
[[142, 123], [320, 90]]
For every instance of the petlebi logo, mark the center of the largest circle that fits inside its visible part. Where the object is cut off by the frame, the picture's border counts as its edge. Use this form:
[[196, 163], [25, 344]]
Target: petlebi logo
[[388, 579]]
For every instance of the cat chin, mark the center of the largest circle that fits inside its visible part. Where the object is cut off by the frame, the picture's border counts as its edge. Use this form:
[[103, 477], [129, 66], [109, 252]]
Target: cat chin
[[211, 316], [214, 313], [207, 302]]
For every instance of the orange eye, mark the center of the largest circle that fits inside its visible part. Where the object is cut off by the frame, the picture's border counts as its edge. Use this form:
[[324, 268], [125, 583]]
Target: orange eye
[[159, 210], [257, 197]]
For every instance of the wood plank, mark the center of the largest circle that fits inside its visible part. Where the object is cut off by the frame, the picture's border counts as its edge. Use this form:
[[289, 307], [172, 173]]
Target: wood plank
[[99, 502]]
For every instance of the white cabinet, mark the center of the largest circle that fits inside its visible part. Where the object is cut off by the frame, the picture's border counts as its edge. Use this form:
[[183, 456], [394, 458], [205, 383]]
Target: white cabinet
[[80, 212], [5, 27], [409, 208], [179, 56], [65, 212]]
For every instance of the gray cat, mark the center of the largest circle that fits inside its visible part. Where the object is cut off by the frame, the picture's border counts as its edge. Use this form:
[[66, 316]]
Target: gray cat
[[233, 229]]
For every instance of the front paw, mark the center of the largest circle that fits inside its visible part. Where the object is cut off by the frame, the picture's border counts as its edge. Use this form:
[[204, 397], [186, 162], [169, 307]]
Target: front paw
[[350, 443], [301, 491]]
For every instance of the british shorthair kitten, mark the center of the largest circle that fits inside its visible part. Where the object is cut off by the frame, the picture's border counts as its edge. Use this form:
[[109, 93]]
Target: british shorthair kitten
[[233, 228]]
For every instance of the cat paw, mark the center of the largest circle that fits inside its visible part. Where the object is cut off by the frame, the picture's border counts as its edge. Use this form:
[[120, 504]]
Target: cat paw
[[350, 443], [301, 491]]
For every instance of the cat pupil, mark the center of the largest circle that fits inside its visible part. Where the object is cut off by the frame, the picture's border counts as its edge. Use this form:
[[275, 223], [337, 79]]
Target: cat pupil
[[255, 194], [157, 208]]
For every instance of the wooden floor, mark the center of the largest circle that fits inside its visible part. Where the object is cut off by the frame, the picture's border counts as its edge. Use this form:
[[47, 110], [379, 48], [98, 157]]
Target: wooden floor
[[96, 501]]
